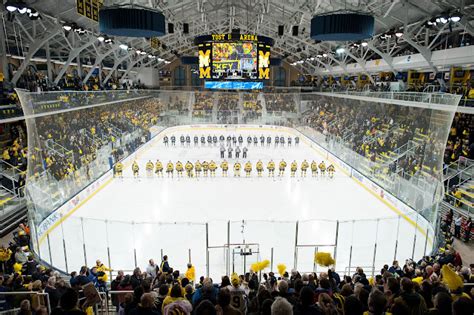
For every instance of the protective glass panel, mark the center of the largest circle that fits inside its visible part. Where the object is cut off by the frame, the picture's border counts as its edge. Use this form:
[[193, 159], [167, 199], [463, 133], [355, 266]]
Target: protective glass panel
[[74, 243], [121, 245], [96, 240]]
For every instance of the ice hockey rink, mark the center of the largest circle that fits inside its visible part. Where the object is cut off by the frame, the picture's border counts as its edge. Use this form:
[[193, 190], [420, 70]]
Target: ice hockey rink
[[128, 221]]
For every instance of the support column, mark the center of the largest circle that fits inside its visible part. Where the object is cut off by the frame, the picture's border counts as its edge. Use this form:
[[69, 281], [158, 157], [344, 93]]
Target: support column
[[3, 52], [48, 63]]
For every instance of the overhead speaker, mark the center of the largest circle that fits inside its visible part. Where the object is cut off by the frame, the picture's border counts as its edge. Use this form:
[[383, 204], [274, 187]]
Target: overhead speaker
[[170, 28], [185, 28], [281, 30], [295, 30], [342, 27], [131, 22]]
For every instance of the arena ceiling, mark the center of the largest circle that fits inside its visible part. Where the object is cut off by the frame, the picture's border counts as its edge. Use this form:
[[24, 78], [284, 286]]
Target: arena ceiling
[[220, 16]]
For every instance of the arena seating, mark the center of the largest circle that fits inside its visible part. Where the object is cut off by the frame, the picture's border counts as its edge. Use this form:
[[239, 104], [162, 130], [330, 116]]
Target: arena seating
[[203, 104]]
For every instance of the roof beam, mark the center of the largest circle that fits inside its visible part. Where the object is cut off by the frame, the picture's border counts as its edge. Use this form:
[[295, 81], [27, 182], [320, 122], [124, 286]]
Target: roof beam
[[72, 55], [36, 45]]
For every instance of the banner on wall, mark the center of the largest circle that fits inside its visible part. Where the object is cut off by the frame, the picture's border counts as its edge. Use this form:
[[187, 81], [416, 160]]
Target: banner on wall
[[204, 60], [89, 8], [263, 62]]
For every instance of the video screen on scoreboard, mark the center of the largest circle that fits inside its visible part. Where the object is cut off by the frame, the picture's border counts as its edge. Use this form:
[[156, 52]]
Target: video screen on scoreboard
[[234, 60]]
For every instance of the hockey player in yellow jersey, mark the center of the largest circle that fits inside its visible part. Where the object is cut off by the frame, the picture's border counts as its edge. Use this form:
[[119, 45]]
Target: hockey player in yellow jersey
[[189, 169], [293, 168], [212, 168], [304, 168], [158, 168], [198, 168], [322, 168], [259, 168], [331, 171], [271, 168], [135, 169], [248, 168], [205, 168], [179, 168], [237, 169], [314, 168], [225, 168], [118, 170], [149, 168], [282, 167], [170, 169]]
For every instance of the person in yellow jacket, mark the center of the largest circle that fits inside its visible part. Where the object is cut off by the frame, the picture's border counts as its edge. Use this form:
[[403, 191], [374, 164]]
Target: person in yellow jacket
[[179, 168], [119, 170], [158, 168], [331, 171], [190, 273], [322, 168], [304, 168], [282, 167], [198, 168], [175, 295], [17, 268], [6, 155], [225, 168], [149, 168], [5, 255], [135, 169], [237, 169], [293, 168], [248, 168], [271, 168], [314, 168], [212, 168], [189, 169], [259, 168], [170, 169], [102, 271], [205, 168]]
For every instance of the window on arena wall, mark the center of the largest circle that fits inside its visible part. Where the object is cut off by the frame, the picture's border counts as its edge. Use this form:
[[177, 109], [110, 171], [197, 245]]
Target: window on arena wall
[[280, 77], [179, 76], [195, 80]]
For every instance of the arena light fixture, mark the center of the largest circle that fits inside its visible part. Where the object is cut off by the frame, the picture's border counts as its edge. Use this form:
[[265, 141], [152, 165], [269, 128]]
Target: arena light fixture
[[67, 27], [11, 6], [442, 19], [455, 17], [325, 55], [22, 10], [319, 56], [340, 50], [123, 46], [100, 38], [399, 33], [33, 14], [364, 44]]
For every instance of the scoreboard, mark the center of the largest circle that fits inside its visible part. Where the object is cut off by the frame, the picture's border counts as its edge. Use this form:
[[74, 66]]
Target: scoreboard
[[234, 56]]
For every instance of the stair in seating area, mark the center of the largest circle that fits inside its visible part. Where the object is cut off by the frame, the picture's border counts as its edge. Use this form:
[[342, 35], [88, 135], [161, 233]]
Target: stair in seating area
[[443, 211], [12, 211]]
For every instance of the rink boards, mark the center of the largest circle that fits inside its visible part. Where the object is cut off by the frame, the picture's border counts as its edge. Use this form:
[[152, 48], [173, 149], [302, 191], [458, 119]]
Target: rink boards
[[50, 238]]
